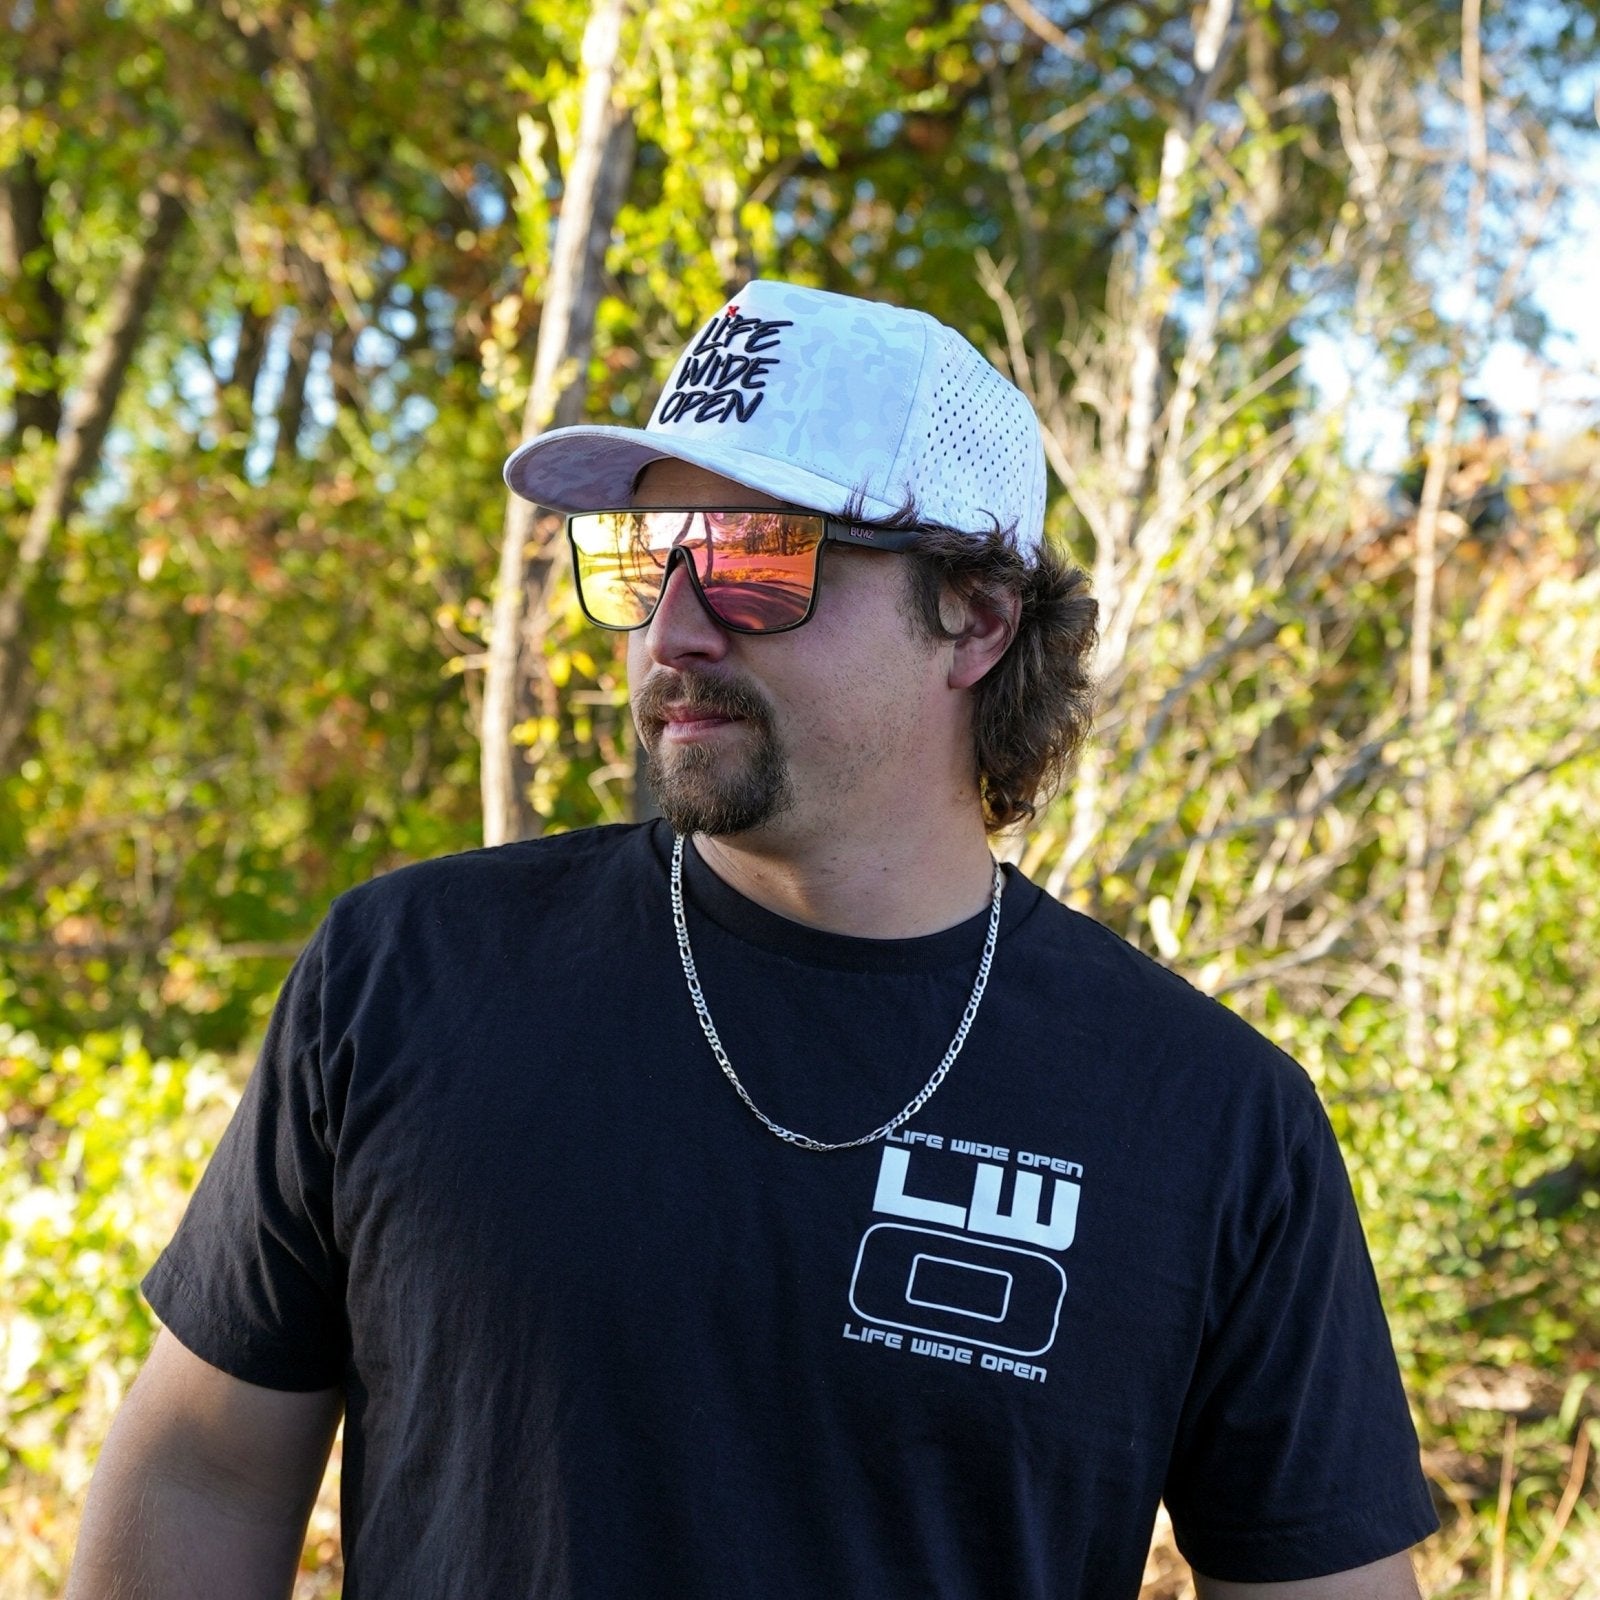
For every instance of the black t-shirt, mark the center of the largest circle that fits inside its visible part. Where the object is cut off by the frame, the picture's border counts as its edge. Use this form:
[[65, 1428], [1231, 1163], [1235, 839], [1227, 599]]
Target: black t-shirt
[[601, 1334]]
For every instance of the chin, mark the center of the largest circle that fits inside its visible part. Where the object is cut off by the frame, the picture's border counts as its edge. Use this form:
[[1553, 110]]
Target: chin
[[698, 793]]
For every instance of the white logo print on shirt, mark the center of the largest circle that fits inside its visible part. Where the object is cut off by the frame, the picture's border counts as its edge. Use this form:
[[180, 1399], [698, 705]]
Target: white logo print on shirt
[[958, 1297]]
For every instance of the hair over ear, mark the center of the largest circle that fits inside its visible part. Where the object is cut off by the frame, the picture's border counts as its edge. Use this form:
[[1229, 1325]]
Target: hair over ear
[[1033, 708]]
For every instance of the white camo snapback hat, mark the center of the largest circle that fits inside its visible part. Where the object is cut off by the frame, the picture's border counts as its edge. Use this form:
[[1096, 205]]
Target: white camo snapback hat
[[820, 400]]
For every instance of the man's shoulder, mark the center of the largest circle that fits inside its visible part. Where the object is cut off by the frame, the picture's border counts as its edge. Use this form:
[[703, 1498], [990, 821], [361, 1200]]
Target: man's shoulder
[[556, 870], [1134, 1008]]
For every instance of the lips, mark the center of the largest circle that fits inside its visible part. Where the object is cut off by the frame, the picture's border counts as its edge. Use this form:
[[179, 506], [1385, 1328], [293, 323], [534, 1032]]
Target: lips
[[683, 707], [679, 722]]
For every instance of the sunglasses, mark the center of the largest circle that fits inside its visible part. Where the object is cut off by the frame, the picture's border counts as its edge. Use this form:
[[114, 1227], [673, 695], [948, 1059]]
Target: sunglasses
[[755, 569]]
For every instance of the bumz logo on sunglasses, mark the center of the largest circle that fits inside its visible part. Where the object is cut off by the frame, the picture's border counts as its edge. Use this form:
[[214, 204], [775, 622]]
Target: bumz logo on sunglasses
[[718, 382]]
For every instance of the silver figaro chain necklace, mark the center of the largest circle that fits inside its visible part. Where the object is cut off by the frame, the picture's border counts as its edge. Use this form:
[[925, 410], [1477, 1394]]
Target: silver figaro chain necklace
[[709, 1028]]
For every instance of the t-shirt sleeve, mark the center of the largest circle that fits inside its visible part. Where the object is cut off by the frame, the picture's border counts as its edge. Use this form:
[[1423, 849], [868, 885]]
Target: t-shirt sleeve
[[252, 1281], [1296, 1456]]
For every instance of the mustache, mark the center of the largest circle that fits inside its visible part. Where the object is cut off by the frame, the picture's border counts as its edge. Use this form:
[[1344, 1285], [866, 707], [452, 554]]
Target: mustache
[[683, 691]]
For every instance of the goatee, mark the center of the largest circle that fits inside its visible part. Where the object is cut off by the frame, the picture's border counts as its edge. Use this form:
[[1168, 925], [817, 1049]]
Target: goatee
[[713, 791]]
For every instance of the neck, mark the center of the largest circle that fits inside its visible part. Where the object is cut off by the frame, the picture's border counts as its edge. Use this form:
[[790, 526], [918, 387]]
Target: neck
[[897, 886]]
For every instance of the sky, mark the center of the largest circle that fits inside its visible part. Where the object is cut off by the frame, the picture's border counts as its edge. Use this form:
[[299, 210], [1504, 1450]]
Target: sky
[[1557, 390]]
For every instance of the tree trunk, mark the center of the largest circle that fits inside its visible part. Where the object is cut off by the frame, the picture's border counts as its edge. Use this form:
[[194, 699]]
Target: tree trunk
[[1126, 553], [1416, 924], [238, 394], [247, 363], [83, 432], [292, 397], [1417, 920], [595, 184], [34, 311], [1263, 70], [1155, 286]]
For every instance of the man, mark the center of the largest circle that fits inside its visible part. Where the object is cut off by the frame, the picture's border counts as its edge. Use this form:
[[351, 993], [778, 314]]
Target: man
[[779, 1199]]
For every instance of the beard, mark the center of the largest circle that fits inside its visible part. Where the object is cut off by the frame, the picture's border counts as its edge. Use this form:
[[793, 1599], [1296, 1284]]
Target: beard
[[712, 791]]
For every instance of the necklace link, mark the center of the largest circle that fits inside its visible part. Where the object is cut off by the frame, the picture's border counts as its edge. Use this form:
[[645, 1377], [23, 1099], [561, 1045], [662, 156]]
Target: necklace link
[[709, 1028]]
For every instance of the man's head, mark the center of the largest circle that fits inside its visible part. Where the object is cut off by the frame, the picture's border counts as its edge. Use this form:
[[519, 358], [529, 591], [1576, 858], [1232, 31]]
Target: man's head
[[883, 431]]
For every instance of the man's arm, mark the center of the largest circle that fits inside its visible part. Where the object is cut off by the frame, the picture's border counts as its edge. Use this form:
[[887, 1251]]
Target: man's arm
[[1389, 1579], [203, 1487]]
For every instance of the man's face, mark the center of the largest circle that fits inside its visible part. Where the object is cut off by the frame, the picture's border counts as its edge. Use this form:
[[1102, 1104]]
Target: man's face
[[786, 732]]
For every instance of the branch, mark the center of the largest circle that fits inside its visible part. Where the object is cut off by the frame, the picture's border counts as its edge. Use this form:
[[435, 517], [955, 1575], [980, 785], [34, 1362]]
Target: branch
[[1580, 742], [78, 449], [1042, 28]]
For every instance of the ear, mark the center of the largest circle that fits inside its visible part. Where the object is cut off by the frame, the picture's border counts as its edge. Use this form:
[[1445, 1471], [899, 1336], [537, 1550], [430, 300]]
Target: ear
[[985, 624]]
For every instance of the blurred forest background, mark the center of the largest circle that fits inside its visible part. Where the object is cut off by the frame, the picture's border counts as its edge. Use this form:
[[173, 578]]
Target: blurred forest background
[[284, 280]]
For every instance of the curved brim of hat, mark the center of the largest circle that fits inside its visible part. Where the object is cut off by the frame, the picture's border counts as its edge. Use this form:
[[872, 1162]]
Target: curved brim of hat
[[593, 468]]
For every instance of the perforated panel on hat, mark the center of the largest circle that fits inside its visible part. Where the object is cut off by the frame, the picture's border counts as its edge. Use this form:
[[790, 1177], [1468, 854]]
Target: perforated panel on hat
[[981, 458]]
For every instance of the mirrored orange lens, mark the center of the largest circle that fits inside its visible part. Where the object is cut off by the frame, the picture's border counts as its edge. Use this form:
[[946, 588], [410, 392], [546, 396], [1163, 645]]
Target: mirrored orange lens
[[756, 569], [620, 565]]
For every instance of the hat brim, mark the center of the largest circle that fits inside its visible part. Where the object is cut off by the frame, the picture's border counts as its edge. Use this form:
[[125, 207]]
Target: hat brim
[[592, 468]]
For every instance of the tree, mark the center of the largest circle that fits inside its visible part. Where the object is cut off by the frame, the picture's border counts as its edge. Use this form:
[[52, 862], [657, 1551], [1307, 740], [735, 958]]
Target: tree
[[596, 181], [1323, 720], [285, 391]]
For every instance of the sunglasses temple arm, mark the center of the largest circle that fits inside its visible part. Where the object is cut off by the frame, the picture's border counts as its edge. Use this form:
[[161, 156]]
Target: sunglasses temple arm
[[854, 533]]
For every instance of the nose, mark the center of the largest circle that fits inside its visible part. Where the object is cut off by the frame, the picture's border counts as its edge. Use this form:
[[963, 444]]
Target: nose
[[682, 629]]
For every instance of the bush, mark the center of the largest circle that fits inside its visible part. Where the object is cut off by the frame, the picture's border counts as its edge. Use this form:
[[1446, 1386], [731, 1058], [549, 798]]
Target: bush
[[100, 1147]]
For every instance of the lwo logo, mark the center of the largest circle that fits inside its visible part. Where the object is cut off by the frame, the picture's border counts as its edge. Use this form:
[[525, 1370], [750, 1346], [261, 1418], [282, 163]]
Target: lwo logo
[[984, 1215], [952, 1285]]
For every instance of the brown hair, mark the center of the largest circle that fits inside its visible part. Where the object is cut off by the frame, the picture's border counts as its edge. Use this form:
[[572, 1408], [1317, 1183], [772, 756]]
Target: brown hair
[[1032, 710]]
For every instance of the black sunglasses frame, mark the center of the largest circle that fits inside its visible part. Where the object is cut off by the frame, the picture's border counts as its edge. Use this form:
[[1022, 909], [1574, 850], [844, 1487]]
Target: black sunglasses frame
[[835, 530]]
